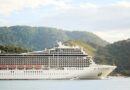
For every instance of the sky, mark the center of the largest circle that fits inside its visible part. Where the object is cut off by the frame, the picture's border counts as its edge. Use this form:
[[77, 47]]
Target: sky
[[109, 19]]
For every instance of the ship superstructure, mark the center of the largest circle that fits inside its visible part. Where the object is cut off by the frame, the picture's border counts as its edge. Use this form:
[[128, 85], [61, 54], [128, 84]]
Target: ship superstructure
[[62, 62]]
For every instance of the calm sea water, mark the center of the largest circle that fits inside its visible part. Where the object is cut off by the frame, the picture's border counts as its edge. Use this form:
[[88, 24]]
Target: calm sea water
[[107, 84]]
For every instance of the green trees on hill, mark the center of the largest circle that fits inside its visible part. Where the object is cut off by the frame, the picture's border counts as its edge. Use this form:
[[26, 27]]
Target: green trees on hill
[[39, 38], [117, 54], [12, 49]]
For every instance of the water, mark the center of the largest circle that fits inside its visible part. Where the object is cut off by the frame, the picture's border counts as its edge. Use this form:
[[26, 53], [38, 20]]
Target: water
[[107, 84]]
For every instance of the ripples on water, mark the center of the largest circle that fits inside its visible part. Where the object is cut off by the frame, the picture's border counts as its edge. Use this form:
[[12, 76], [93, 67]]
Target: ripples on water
[[107, 84]]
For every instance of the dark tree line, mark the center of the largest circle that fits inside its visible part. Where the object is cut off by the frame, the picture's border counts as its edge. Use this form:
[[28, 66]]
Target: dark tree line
[[12, 49]]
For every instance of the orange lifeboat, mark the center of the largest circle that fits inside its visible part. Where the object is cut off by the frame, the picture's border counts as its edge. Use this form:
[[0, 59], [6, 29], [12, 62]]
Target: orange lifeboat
[[3, 66], [12, 66], [37, 66], [20, 66], [28, 66]]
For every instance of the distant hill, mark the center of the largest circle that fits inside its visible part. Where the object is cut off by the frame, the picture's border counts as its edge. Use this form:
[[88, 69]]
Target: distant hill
[[118, 54], [87, 37], [39, 38]]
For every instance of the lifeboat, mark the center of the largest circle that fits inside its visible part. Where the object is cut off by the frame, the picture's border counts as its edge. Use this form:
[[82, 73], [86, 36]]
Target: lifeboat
[[20, 66], [37, 66], [12, 66], [28, 66], [3, 66]]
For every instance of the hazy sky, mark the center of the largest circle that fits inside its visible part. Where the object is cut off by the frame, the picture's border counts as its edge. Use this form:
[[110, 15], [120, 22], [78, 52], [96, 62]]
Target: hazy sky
[[109, 19]]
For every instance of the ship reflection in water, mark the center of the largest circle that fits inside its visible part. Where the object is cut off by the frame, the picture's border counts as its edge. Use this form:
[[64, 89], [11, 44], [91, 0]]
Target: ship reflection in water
[[106, 84]]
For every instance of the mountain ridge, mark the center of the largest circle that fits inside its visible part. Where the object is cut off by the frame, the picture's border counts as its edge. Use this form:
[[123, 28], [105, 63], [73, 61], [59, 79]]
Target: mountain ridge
[[38, 38]]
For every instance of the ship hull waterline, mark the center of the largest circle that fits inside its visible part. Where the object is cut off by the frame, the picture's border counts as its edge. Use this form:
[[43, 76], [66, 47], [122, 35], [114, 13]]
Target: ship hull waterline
[[92, 72]]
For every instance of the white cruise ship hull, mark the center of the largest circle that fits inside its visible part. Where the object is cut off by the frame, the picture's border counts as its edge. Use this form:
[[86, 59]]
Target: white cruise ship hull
[[92, 72]]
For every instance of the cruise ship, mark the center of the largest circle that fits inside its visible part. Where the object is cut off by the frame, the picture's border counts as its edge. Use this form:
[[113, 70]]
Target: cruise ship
[[61, 62]]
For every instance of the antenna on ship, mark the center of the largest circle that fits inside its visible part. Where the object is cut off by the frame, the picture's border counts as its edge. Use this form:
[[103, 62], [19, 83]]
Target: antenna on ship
[[60, 44]]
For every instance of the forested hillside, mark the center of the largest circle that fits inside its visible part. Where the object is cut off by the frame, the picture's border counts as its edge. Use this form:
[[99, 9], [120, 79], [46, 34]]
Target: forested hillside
[[117, 54], [12, 49], [39, 38]]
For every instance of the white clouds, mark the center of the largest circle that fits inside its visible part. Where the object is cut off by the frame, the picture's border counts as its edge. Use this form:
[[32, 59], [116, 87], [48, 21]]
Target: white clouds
[[88, 5], [91, 17], [124, 4], [9, 6], [114, 35], [4, 22]]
